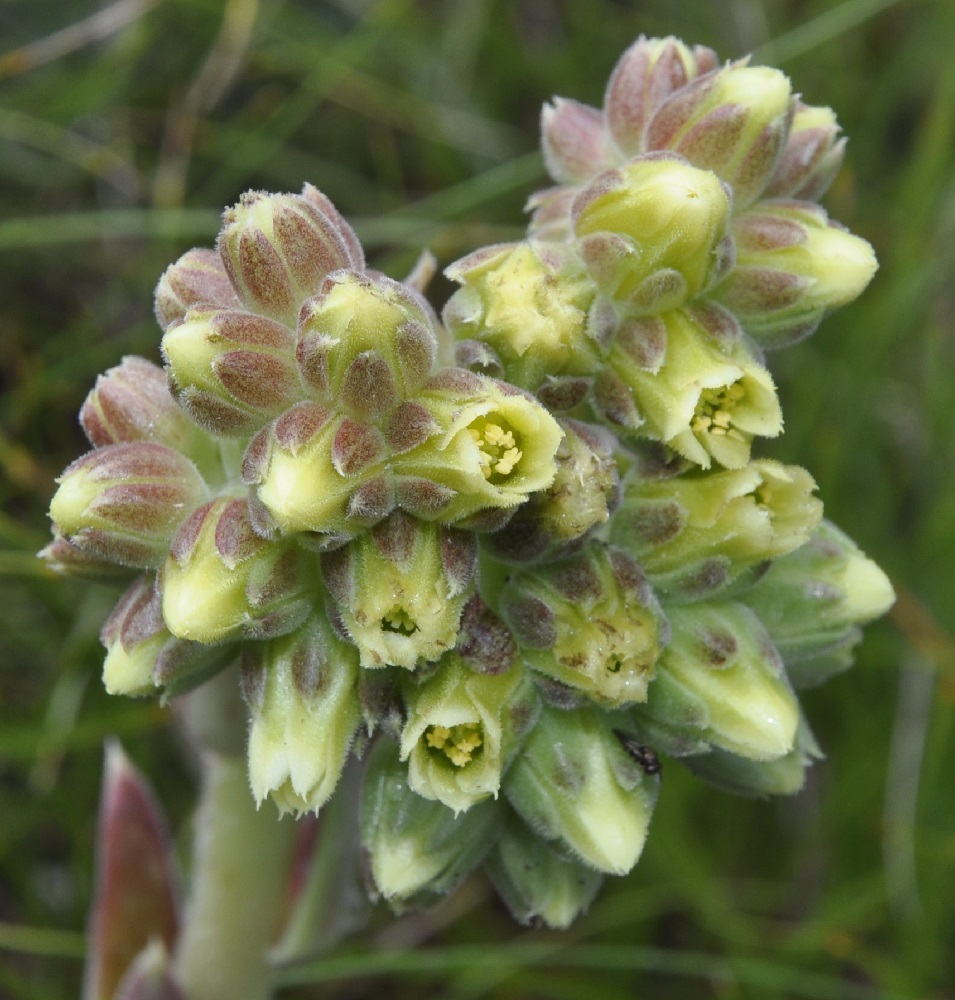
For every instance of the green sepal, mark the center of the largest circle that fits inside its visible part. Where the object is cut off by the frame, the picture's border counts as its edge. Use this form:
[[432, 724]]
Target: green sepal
[[574, 784], [813, 601], [758, 778], [720, 683], [540, 886], [418, 849]]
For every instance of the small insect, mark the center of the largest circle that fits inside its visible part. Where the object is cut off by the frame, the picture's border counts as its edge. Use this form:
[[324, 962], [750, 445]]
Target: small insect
[[645, 756]]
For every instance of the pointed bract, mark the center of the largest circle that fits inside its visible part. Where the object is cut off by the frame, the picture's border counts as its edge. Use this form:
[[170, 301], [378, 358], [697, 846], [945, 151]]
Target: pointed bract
[[136, 896]]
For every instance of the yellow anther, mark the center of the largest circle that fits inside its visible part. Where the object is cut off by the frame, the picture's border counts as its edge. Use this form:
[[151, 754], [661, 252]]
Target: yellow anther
[[457, 743], [437, 736], [499, 437], [508, 460], [498, 452], [714, 411]]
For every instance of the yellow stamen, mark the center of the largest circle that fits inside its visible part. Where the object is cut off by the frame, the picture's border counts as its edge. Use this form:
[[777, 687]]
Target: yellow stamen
[[437, 736], [497, 444], [458, 743], [714, 411]]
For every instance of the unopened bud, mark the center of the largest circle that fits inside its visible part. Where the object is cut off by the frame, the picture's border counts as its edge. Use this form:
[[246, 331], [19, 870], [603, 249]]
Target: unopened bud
[[654, 232], [813, 601], [232, 371], [695, 532], [575, 141], [132, 402], [811, 157], [143, 655], [793, 266], [134, 636], [645, 76], [573, 783], [302, 693], [400, 589], [733, 122], [314, 471], [277, 248], [123, 503], [366, 343], [418, 849], [720, 683], [197, 280], [590, 622], [462, 728], [538, 884], [223, 581]]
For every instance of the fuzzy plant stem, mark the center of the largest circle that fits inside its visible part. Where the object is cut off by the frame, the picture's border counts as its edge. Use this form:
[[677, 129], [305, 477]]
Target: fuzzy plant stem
[[239, 889], [241, 857]]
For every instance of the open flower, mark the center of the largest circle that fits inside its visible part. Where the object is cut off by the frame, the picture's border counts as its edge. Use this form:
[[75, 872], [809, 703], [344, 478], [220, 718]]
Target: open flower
[[461, 728], [495, 445], [707, 403], [400, 589], [693, 533]]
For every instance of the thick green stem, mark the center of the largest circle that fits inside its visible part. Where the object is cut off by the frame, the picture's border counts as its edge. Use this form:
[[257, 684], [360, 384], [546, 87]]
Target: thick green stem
[[239, 888]]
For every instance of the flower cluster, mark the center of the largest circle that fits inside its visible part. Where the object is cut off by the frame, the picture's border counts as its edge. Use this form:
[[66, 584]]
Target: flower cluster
[[511, 558]]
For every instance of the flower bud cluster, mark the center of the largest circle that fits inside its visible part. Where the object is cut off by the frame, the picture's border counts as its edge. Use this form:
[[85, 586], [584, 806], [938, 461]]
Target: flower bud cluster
[[682, 238], [513, 584]]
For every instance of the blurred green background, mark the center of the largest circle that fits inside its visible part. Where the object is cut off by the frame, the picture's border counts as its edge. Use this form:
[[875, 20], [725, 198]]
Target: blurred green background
[[124, 129]]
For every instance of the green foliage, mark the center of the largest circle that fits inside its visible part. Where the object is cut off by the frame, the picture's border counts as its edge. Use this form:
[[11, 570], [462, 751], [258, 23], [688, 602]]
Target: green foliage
[[117, 142]]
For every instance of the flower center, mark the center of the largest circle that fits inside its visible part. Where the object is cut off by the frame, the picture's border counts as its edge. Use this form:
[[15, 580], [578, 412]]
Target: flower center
[[398, 620], [457, 743], [714, 411], [497, 443]]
